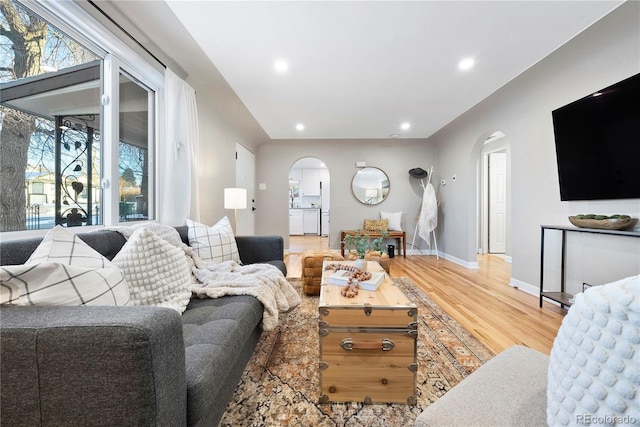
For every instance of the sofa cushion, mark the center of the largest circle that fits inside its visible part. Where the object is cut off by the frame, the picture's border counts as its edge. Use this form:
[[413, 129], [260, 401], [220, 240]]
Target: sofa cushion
[[593, 368], [215, 243], [156, 271], [394, 218], [508, 390], [220, 335], [375, 225], [63, 270], [59, 245]]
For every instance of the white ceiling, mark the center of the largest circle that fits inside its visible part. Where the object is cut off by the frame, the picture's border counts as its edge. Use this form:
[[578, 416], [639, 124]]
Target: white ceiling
[[358, 69]]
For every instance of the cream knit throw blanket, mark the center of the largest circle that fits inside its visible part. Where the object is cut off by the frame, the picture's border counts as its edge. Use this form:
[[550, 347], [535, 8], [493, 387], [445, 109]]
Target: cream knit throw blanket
[[263, 281]]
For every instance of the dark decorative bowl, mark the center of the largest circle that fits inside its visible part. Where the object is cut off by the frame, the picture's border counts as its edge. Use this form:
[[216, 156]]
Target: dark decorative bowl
[[607, 224]]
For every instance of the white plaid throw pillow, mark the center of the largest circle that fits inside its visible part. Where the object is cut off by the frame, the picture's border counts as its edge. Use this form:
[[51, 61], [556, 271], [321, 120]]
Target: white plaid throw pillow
[[215, 243], [63, 270]]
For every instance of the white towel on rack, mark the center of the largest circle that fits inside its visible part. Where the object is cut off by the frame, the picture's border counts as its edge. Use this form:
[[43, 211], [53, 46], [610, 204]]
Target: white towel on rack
[[429, 213]]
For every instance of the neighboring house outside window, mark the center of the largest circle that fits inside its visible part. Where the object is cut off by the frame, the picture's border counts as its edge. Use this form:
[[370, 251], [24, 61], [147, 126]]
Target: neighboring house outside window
[[77, 126]]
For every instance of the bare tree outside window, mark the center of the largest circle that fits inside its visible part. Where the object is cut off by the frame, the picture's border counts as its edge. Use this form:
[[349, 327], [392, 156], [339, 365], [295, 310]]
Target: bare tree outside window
[[30, 47]]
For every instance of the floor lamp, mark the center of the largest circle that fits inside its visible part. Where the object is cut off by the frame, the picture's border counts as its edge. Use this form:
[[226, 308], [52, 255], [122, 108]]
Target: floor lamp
[[235, 198]]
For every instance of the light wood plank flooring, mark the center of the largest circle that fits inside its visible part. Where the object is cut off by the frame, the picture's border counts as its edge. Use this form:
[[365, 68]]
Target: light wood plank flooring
[[480, 299]]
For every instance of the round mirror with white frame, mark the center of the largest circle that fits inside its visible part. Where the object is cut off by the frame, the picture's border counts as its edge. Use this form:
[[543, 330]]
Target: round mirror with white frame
[[370, 185]]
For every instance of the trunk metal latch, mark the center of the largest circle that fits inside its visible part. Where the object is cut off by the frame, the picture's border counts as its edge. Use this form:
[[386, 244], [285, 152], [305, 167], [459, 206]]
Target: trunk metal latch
[[367, 309]]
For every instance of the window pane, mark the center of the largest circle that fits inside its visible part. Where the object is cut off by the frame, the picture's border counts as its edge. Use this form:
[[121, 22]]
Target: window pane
[[33, 47], [134, 151], [47, 78]]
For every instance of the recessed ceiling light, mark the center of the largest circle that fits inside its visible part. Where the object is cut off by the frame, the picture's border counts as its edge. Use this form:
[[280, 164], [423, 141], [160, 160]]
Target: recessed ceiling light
[[280, 66], [466, 64], [405, 126], [300, 126]]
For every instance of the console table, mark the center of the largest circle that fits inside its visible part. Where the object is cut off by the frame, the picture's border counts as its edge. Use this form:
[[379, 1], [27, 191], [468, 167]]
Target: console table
[[400, 236], [566, 299]]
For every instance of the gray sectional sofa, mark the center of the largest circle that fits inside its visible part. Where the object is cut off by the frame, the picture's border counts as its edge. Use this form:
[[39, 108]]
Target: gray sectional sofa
[[127, 365]]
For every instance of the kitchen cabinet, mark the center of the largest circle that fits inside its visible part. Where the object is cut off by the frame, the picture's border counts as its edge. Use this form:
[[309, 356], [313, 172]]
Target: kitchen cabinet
[[311, 220], [296, 222], [310, 185]]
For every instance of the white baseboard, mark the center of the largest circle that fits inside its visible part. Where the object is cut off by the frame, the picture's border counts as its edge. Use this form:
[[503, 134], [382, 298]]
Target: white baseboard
[[419, 252], [526, 287], [448, 257], [466, 264]]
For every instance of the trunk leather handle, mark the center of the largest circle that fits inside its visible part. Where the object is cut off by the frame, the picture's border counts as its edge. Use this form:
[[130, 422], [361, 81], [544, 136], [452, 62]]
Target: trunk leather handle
[[349, 344]]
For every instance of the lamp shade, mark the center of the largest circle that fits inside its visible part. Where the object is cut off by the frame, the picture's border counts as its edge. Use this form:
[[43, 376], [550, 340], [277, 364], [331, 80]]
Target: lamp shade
[[235, 198]]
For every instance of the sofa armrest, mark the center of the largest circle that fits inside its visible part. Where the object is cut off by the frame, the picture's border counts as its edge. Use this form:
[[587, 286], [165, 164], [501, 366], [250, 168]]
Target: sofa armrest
[[260, 249], [92, 366]]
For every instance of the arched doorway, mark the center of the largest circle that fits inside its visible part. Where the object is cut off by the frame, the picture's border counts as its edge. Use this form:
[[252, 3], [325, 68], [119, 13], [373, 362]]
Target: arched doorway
[[309, 198]]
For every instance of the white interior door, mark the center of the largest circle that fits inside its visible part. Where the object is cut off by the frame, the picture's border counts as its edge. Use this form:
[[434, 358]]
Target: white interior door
[[497, 202], [245, 178]]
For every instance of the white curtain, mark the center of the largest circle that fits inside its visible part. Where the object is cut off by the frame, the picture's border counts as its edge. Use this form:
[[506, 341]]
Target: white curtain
[[179, 170]]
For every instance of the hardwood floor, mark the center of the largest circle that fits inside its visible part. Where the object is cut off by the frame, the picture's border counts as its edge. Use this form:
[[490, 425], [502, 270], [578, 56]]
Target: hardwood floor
[[480, 299]]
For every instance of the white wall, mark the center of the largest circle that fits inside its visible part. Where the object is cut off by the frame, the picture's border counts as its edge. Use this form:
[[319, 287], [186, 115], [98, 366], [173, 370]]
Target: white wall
[[394, 156], [605, 53], [223, 121]]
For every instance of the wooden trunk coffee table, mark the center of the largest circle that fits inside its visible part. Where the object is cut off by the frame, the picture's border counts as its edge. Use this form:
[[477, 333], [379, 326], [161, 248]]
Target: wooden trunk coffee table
[[367, 343]]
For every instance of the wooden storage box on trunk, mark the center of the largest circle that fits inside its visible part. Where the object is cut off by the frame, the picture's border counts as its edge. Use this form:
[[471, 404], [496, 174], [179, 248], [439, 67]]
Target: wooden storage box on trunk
[[367, 344]]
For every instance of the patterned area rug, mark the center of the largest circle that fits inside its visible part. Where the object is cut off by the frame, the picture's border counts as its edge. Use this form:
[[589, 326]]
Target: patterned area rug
[[280, 385]]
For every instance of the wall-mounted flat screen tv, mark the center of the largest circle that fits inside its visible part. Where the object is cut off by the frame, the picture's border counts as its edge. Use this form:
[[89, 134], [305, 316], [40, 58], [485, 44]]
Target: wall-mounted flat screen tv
[[598, 144]]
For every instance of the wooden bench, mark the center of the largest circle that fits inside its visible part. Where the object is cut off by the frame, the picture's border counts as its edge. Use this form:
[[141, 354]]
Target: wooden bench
[[400, 236]]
